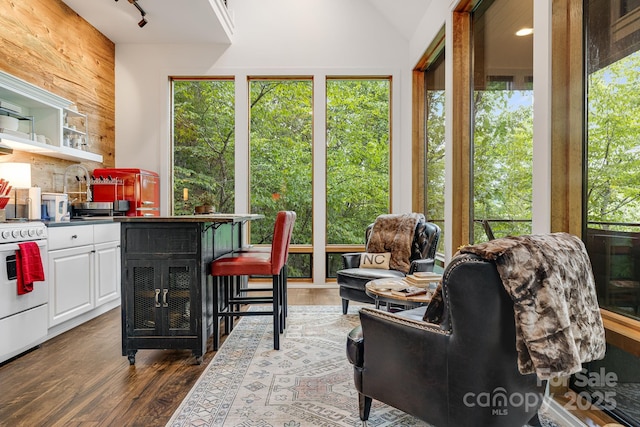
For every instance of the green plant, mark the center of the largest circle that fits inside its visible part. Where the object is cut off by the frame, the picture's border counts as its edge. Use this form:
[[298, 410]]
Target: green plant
[[207, 199]]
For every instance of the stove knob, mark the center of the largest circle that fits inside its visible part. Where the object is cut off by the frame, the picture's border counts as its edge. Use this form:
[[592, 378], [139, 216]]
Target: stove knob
[[15, 233], [39, 232], [32, 232], [6, 234], [23, 233]]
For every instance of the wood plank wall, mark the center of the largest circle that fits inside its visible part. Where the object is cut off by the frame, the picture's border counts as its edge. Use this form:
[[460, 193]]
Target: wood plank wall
[[44, 42]]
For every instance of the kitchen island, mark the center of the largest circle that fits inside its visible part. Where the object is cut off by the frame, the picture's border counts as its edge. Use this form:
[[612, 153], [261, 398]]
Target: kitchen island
[[167, 293]]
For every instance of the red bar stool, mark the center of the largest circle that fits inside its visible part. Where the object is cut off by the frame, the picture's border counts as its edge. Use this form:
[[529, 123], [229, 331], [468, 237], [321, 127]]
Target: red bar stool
[[227, 268], [267, 250]]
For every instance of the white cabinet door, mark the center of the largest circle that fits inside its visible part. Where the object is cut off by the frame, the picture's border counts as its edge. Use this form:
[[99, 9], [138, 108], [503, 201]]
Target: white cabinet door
[[107, 277], [70, 283]]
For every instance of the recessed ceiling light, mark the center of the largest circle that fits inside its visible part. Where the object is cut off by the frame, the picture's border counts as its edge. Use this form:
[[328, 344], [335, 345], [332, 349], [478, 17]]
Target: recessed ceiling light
[[524, 32]]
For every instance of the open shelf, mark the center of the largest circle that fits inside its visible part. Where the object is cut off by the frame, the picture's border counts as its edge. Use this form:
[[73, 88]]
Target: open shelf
[[66, 153], [47, 114]]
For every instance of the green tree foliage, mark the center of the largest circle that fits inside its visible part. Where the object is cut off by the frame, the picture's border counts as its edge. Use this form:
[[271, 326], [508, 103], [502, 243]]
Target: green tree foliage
[[358, 130], [203, 144], [281, 152], [435, 165], [614, 142], [281, 160], [503, 161]]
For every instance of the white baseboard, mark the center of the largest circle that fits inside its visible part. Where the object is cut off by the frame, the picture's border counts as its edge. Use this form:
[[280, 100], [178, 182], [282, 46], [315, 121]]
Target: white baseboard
[[79, 320]]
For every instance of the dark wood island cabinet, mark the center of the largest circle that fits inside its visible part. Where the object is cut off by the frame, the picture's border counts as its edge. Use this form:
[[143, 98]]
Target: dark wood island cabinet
[[167, 293]]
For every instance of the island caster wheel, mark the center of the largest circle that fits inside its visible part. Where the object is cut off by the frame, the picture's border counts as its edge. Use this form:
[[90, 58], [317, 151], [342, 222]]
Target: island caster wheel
[[132, 358], [198, 359]]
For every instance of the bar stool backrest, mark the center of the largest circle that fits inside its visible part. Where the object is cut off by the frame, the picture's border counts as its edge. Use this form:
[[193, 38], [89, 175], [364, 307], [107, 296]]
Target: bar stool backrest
[[282, 231]]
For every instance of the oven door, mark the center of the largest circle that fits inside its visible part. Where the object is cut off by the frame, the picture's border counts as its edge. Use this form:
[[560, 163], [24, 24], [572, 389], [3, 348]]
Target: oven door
[[10, 302]]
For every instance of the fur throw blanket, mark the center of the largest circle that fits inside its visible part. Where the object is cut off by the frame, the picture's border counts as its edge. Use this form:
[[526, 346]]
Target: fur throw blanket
[[550, 280], [394, 233]]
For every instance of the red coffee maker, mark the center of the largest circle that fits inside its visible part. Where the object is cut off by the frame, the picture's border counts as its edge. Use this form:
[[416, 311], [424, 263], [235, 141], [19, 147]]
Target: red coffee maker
[[141, 188]]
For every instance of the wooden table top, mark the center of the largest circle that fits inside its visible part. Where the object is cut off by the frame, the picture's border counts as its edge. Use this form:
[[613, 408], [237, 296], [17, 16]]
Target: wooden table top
[[383, 288]]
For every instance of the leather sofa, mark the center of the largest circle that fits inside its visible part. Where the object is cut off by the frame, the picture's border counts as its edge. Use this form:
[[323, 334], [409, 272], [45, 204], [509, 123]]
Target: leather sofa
[[457, 368], [352, 279]]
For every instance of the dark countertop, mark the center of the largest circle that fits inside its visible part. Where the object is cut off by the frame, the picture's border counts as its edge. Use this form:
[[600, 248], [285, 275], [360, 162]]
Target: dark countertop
[[80, 221], [217, 217]]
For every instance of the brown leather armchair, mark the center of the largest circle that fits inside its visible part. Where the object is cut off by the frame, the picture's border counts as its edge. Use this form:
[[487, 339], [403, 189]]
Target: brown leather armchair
[[352, 279], [458, 369]]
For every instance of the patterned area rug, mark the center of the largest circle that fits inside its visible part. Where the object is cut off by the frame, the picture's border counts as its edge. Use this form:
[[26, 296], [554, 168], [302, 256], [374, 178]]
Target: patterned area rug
[[309, 382]]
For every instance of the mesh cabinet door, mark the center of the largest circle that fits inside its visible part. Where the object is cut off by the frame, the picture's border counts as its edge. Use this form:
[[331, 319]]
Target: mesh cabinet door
[[177, 296], [162, 295], [146, 291]]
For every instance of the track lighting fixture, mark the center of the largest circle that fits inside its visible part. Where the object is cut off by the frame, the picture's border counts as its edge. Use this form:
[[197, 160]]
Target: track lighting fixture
[[143, 21]]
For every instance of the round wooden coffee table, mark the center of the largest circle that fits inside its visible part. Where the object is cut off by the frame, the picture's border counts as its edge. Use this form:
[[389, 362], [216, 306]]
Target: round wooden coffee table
[[381, 290]]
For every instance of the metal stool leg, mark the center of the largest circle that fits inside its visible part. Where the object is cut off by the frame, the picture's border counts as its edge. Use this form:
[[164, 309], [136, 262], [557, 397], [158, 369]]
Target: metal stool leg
[[276, 313]]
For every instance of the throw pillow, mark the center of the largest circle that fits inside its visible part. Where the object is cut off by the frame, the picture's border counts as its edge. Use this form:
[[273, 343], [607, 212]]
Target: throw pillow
[[375, 260]]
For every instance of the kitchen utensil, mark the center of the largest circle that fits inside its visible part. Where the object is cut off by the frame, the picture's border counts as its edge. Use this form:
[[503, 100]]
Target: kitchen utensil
[[3, 201], [7, 190], [120, 205]]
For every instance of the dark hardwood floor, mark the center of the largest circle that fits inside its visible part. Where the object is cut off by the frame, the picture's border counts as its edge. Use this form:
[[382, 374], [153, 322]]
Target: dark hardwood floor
[[80, 378]]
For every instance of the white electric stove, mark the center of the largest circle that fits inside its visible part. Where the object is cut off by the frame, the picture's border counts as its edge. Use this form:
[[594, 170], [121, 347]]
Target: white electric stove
[[23, 318]]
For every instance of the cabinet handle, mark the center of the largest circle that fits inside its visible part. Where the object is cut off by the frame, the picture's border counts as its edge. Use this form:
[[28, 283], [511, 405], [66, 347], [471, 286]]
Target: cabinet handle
[[75, 236], [164, 298], [157, 297]]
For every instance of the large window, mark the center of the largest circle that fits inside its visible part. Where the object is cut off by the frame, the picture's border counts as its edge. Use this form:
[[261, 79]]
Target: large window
[[502, 109], [358, 147], [280, 166], [203, 145], [613, 158], [612, 64], [281, 161], [434, 145]]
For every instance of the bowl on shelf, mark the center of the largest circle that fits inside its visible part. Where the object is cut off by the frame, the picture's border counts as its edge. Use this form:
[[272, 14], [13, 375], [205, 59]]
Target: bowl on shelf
[[9, 123]]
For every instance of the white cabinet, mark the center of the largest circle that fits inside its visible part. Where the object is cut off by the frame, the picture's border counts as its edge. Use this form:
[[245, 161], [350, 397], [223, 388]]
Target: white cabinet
[[44, 114], [84, 269], [71, 290], [107, 262], [70, 283]]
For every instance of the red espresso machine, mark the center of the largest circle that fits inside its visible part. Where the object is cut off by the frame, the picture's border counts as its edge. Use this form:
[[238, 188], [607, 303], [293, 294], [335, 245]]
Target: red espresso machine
[[141, 188]]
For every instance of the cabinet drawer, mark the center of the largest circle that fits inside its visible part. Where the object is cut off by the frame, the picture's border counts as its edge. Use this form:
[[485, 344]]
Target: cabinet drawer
[[103, 233], [68, 237]]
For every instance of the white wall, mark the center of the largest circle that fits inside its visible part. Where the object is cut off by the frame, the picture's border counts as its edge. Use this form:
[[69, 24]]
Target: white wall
[[272, 37]]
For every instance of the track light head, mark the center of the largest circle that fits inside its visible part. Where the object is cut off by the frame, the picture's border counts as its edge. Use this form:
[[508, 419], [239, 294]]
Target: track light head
[[143, 21]]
